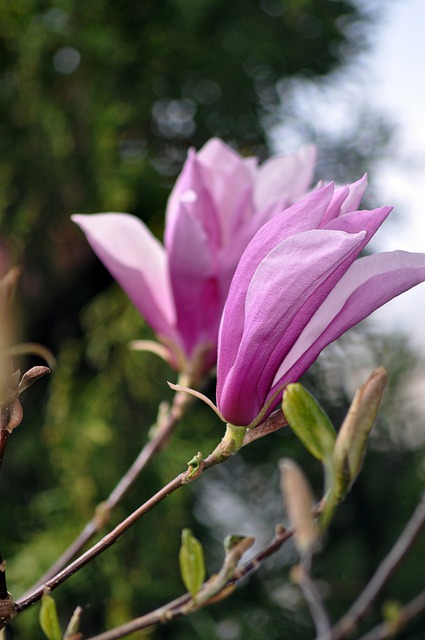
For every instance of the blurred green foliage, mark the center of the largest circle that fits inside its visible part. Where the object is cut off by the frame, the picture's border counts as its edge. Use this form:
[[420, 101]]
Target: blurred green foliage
[[99, 102]]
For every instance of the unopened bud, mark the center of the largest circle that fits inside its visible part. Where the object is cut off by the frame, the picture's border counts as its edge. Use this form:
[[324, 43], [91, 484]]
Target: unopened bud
[[308, 421], [71, 632], [31, 376], [299, 502], [351, 443], [234, 547]]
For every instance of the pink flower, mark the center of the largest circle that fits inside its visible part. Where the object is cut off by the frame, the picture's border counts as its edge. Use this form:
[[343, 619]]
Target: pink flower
[[218, 203], [297, 288]]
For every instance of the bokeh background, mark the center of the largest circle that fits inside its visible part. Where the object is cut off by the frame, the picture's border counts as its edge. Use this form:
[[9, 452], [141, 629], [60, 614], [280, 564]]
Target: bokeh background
[[99, 102]]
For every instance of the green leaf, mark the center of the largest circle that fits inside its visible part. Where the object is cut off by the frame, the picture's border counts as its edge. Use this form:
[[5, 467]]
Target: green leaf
[[192, 563], [308, 421], [49, 620]]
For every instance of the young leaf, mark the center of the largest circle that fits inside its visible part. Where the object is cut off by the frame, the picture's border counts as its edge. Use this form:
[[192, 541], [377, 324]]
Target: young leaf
[[308, 421], [49, 620], [192, 564]]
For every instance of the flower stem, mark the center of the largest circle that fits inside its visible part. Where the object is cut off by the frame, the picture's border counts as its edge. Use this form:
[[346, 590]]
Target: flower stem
[[230, 444]]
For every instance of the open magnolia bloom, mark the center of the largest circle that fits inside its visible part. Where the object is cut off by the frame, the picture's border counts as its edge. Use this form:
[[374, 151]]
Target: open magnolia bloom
[[218, 203], [298, 287]]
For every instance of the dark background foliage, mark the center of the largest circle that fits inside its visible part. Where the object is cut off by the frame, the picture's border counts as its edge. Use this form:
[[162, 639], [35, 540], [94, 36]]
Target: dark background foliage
[[99, 102]]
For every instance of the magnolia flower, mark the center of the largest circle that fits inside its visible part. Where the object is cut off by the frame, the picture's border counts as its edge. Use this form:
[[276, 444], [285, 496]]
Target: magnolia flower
[[218, 203], [297, 288]]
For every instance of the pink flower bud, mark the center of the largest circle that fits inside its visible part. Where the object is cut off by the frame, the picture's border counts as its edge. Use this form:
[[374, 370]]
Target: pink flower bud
[[299, 285], [218, 203]]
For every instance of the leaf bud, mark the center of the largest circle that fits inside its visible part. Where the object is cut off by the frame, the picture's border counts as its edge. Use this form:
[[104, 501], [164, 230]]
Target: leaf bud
[[299, 503], [351, 442]]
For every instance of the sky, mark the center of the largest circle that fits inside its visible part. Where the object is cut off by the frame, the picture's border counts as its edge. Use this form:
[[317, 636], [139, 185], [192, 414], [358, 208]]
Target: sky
[[388, 77], [396, 85]]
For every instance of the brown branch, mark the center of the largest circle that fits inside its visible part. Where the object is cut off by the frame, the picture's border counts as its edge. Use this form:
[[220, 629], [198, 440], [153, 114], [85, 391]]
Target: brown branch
[[382, 575], [103, 544], [179, 607], [7, 607], [405, 615], [3, 586], [301, 575], [196, 467], [273, 423], [163, 430]]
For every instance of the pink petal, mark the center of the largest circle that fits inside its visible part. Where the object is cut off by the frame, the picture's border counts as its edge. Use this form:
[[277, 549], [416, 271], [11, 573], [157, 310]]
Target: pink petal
[[193, 275], [354, 223], [289, 284], [190, 192], [334, 208], [356, 191], [302, 216], [346, 199], [290, 174], [228, 179], [367, 285], [261, 216], [137, 261], [369, 220]]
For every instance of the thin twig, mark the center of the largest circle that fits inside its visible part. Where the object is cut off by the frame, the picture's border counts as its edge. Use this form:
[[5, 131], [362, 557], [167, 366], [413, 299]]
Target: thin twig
[[405, 615], [303, 578], [384, 572], [179, 607], [162, 432], [108, 540], [102, 545]]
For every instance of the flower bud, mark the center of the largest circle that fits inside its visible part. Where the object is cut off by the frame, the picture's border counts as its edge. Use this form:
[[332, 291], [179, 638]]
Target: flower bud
[[308, 421], [351, 442], [299, 502]]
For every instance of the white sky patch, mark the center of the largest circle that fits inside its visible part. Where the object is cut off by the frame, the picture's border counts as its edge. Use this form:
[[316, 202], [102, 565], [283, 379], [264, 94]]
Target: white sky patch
[[397, 78], [391, 77], [396, 62]]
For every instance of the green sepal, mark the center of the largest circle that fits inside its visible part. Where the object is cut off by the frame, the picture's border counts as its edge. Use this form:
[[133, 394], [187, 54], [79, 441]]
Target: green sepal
[[309, 422], [49, 620], [192, 563]]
